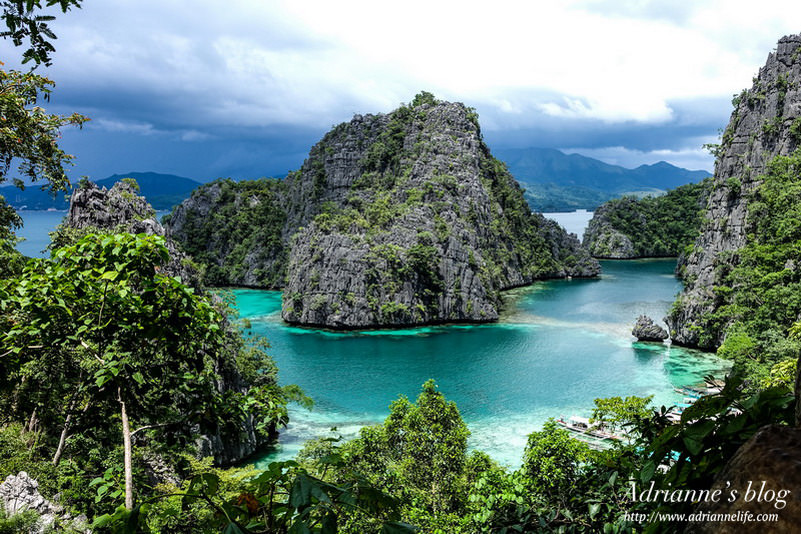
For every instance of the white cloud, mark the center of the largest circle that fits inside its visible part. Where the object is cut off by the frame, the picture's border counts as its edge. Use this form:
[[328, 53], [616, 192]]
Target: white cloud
[[139, 128], [192, 65], [146, 129]]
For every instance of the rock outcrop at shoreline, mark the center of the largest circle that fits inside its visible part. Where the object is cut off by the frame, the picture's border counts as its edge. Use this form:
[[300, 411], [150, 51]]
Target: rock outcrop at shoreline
[[603, 240], [646, 330], [661, 226], [394, 219]]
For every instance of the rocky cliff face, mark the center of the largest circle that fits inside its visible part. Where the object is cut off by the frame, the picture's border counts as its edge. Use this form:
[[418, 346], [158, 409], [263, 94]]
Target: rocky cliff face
[[120, 209], [417, 223], [603, 240], [766, 122], [393, 219]]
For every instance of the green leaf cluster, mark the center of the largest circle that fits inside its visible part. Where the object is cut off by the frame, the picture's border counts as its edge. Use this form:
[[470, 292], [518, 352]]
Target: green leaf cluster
[[98, 335], [28, 134], [26, 25]]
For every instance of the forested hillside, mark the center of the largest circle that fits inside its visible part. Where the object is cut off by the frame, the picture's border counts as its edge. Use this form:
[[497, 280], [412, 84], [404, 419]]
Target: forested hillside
[[653, 226]]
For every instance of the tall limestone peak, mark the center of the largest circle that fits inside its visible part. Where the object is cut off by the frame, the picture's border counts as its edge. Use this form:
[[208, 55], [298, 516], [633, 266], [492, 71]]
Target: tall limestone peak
[[393, 219], [765, 123], [408, 219]]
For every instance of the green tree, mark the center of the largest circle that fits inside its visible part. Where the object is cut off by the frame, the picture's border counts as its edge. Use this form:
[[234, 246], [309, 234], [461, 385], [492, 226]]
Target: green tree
[[11, 260], [552, 460], [27, 25], [282, 499], [29, 134], [100, 327], [417, 455]]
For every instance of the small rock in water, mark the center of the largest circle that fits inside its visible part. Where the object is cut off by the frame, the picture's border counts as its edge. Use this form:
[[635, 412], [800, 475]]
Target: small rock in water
[[646, 330]]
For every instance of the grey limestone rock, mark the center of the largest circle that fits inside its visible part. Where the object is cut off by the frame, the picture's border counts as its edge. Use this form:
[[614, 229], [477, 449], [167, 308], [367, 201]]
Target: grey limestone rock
[[760, 128], [420, 225], [603, 240], [398, 219], [646, 330], [20, 492], [121, 209]]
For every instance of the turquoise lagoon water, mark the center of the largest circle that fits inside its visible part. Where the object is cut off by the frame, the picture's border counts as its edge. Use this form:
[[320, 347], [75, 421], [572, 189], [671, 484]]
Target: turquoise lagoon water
[[559, 345]]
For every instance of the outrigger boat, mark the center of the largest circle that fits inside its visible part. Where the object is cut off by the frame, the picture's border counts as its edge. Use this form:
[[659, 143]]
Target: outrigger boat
[[582, 425]]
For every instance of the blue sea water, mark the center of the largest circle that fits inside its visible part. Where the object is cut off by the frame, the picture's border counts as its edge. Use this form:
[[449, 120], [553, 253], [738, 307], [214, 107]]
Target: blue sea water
[[36, 228], [559, 345], [575, 222]]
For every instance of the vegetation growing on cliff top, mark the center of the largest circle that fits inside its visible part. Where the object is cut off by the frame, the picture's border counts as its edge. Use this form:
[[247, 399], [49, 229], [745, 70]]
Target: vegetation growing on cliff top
[[243, 216]]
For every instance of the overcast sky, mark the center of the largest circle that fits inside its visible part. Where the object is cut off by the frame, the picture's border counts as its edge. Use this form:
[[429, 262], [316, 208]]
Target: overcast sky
[[243, 88]]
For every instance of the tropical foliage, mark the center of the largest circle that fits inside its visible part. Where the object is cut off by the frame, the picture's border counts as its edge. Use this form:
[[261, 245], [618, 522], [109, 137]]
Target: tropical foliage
[[99, 348], [242, 217]]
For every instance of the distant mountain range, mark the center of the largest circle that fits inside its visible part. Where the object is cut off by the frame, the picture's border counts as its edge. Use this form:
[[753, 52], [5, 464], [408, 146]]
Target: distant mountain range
[[556, 181], [163, 191]]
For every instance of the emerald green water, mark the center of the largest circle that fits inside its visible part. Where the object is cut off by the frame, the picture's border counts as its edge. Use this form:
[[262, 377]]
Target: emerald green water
[[560, 345]]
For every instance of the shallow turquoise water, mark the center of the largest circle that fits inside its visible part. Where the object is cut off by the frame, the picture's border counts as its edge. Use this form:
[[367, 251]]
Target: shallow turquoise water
[[560, 345]]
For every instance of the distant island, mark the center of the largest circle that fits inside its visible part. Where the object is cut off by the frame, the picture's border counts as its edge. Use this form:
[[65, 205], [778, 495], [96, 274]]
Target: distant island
[[555, 181], [393, 220]]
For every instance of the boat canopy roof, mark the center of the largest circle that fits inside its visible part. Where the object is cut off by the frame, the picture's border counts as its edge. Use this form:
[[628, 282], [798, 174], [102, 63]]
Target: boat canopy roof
[[579, 420]]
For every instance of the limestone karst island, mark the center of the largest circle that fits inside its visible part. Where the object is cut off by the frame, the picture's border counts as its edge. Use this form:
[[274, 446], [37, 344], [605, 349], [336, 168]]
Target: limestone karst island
[[535, 299]]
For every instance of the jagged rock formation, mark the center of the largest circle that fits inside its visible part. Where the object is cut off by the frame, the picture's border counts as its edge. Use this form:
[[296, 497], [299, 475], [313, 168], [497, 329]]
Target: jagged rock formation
[[766, 122], [420, 225], [396, 219], [121, 209], [661, 226], [771, 457], [20, 492], [646, 330]]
